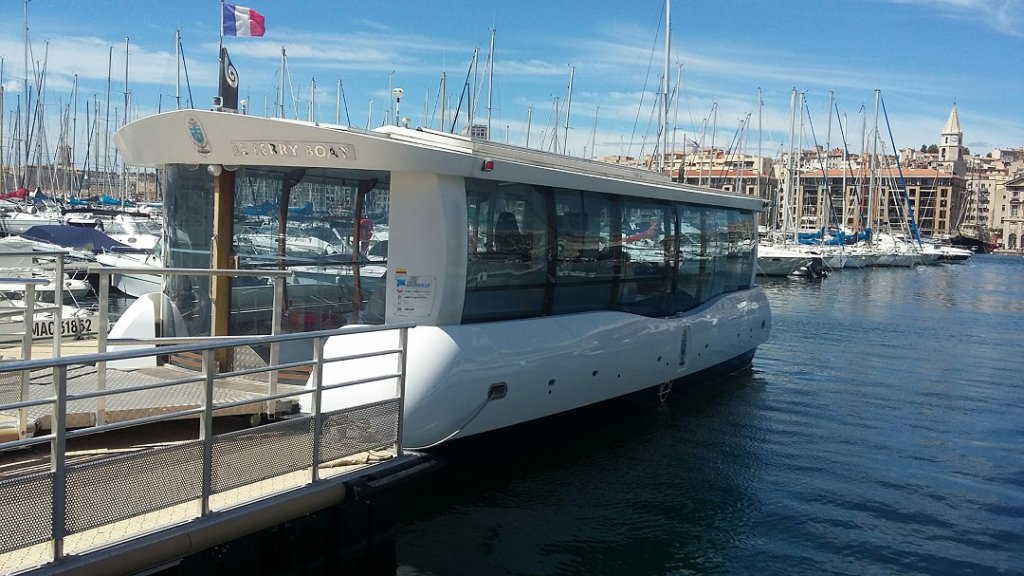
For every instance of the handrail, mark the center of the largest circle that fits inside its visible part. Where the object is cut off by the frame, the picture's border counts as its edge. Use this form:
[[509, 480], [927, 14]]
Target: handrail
[[30, 305], [209, 342], [66, 493]]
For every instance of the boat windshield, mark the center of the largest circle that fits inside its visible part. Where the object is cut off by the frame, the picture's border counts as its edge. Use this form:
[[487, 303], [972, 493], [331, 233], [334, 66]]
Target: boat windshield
[[337, 262]]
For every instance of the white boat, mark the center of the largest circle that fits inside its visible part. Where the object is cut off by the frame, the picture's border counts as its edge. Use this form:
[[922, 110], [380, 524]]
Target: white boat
[[945, 253], [74, 289], [16, 218], [133, 284], [773, 260], [18, 264], [511, 262], [139, 232]]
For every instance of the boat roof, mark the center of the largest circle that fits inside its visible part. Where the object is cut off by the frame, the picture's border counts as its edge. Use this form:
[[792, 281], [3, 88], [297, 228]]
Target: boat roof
[[206, 137]]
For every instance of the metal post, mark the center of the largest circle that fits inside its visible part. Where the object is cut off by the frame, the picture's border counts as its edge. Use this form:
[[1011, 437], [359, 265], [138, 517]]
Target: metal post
[[26, 354], [275, 347], [58, 302], [101, 346], [403, 345], [206, 427], [317, 379], [58, 460], [29, 321]]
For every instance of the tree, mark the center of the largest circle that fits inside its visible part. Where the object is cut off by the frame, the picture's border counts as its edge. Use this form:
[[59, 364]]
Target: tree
[[933, 149], [924, 148]]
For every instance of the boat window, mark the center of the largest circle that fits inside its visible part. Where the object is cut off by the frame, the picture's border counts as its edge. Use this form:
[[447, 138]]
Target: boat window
[[506, 265], [588, 251], [741, 236], [331, 282], [648, 269], [536, 251], [692, 254]]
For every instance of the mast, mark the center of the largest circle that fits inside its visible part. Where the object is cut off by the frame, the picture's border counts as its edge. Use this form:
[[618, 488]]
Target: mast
[[529, 121], [872, 213], [568, 109], [444, 98], [828, 149], [25, 131], [593, 133], [177, 64], [280, 86], [472, 94], [665, 85], [3, 167], [787, 186], [312, 99], [124, 167], [556, 111], [760, 110], [490, 83], [106, 122], [675, 114]]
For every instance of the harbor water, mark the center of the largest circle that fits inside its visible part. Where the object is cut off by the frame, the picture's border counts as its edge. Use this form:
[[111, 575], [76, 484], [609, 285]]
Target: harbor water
[[879, 431]]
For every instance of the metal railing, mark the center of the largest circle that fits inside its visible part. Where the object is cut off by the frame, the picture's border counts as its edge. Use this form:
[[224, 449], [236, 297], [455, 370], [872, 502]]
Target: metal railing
[[62, 506], [59, 506], [29, 307]]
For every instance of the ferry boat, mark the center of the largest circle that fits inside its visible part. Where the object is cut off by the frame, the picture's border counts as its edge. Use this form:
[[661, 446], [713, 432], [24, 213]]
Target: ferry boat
[[531, 292]]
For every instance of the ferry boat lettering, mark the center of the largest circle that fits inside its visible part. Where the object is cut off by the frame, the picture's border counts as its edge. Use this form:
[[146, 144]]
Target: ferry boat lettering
[[338, 151], [265, 149], [294, 150]]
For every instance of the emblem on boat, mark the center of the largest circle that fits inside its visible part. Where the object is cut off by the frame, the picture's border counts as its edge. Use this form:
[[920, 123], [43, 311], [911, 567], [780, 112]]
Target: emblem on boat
[[198, 135], [231, 75]]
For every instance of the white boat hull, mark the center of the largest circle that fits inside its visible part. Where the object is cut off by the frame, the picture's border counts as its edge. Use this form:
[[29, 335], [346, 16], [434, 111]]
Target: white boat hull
[[544, 366]]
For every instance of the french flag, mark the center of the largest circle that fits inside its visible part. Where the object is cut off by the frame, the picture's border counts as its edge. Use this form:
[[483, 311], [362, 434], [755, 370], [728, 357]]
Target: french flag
[[242, 21]]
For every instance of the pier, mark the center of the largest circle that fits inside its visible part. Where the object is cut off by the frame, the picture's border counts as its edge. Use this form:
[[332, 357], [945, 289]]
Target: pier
[[107, 470]]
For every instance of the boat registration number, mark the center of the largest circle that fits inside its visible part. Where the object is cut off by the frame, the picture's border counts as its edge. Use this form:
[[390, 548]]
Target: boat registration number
[[67, 327]]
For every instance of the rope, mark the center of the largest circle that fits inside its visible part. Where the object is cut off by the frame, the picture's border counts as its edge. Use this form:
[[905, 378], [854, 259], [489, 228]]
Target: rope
[[472, 416]]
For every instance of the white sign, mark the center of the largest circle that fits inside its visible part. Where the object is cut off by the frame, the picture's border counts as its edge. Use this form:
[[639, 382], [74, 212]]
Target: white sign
[[414, 295]]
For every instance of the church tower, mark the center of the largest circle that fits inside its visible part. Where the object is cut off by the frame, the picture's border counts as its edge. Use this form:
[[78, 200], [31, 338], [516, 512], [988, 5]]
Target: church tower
[[951, 150]]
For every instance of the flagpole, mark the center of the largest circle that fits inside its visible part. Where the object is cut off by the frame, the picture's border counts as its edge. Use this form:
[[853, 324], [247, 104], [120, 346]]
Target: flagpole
[[220, 57], [220, 46]]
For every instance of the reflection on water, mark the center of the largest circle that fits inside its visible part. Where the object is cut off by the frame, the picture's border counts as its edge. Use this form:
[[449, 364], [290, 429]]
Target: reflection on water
[[877, 433]]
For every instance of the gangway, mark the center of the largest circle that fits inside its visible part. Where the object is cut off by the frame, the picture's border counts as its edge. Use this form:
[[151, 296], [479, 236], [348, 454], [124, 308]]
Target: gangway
[[76, 500]]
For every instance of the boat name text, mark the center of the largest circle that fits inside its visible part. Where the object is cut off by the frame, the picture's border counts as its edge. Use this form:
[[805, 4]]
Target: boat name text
[[294, 149]]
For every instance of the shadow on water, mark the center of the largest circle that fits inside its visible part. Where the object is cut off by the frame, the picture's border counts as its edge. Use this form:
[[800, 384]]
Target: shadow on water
[[622, 486]]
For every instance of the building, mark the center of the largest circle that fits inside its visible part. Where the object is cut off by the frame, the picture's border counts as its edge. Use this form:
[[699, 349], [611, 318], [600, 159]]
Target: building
[[1012, 225]]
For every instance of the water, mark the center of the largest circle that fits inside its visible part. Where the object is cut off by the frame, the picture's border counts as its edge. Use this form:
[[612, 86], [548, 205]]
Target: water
[[880, 431]]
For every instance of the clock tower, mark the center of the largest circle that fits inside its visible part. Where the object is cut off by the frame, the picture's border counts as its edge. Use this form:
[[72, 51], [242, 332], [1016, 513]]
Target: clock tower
[[951, 149]]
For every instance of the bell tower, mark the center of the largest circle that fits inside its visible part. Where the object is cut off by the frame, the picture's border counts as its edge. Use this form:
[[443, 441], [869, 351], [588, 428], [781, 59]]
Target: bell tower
[[951, 149]]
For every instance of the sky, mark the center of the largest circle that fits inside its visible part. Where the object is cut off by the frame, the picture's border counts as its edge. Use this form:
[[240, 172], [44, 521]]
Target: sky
[[733, 67]]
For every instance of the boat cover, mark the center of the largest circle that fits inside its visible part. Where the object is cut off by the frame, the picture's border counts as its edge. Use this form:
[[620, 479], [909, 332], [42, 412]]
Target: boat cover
[[79, 237]]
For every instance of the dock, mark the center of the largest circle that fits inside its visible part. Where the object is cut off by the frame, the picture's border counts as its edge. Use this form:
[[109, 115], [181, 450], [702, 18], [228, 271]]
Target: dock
[[127, 471]]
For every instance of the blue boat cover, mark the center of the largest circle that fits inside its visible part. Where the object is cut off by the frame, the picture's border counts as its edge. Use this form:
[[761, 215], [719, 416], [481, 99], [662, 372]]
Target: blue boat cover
[[78, 237]]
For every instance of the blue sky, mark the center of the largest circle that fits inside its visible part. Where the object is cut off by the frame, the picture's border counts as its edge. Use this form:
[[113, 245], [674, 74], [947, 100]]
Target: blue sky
[[922, 55]]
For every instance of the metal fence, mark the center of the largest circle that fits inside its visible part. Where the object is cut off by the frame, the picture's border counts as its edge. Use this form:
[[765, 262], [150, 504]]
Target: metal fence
[[62, 499]]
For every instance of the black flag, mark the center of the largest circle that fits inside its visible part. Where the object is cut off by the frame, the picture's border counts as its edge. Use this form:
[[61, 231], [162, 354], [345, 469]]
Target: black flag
[[228, 91]]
